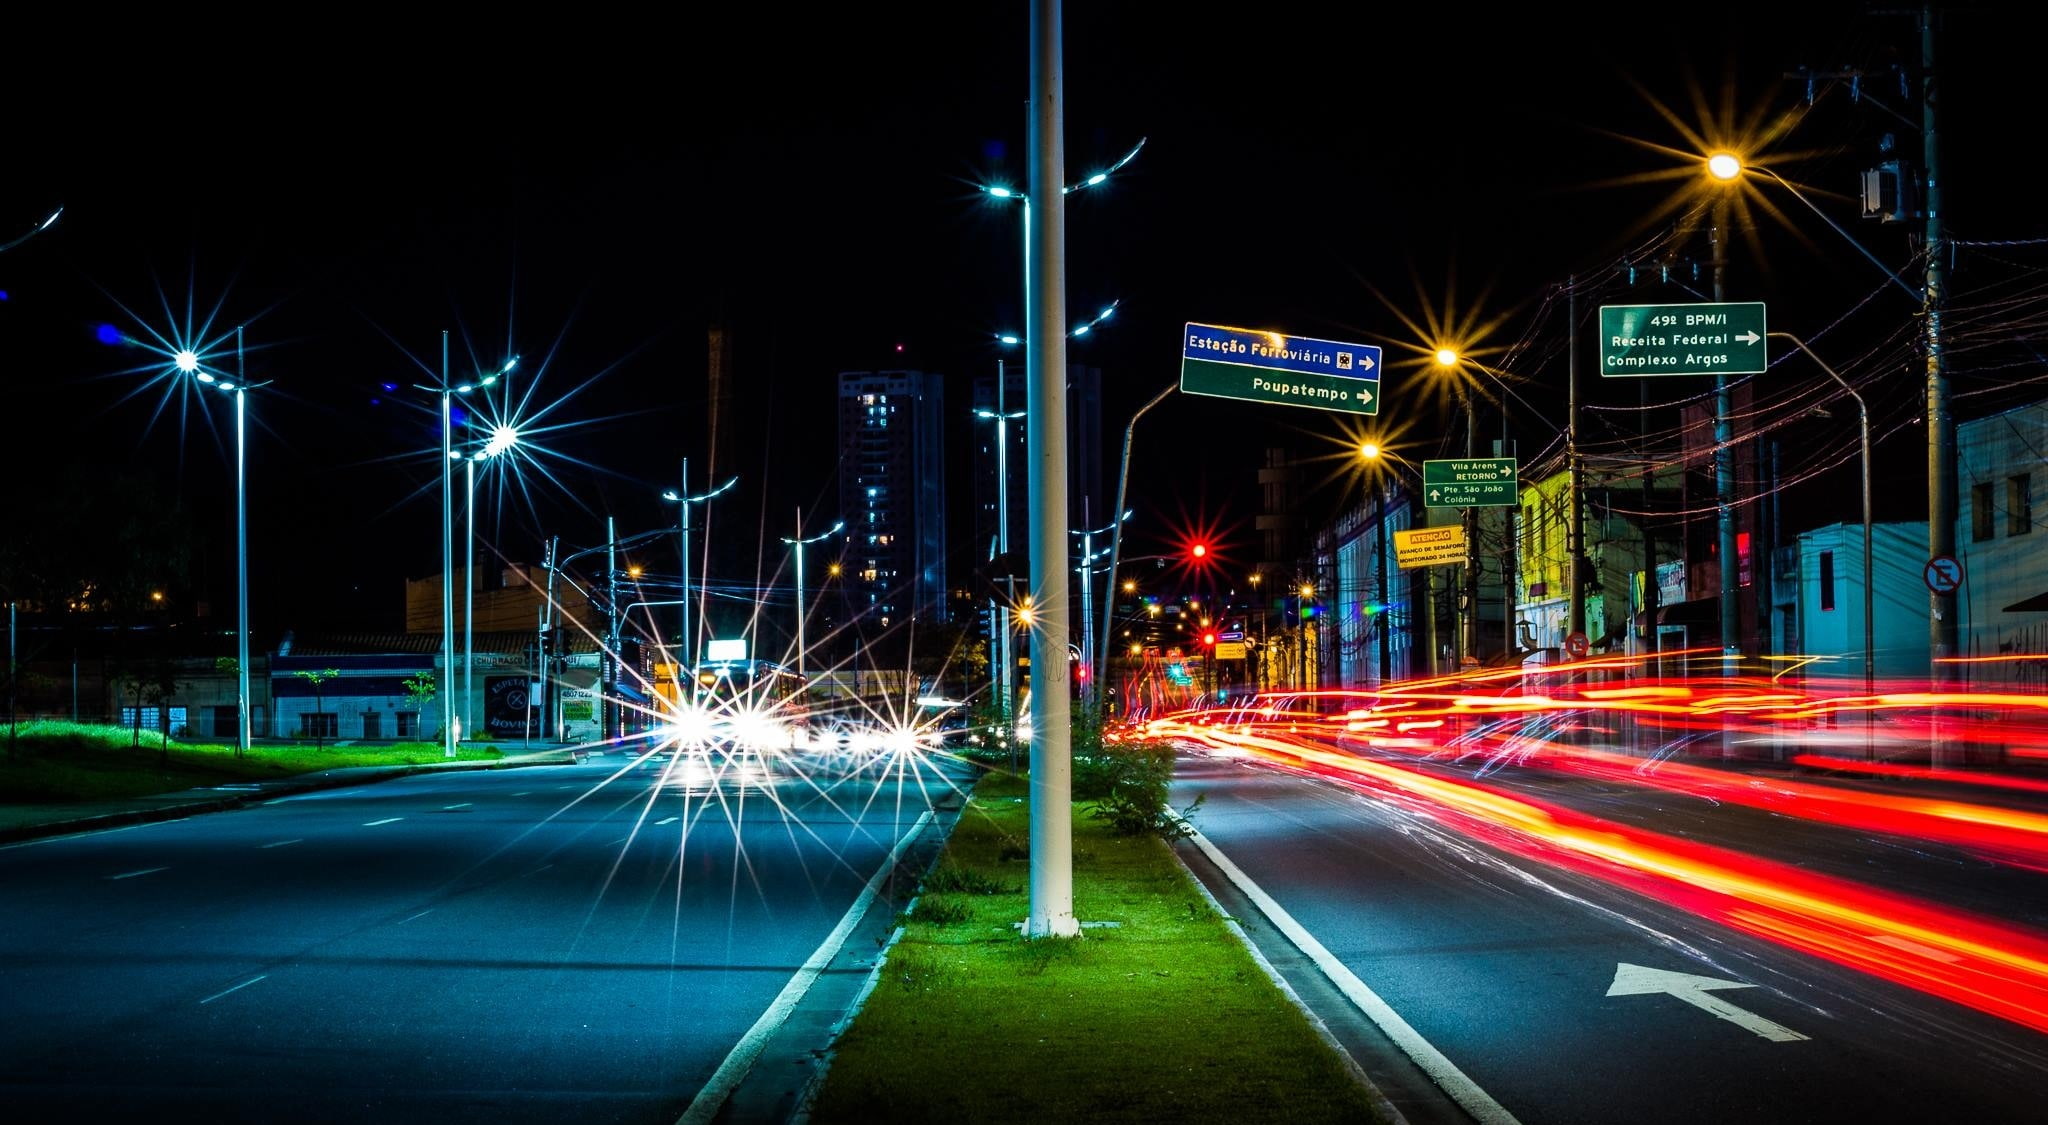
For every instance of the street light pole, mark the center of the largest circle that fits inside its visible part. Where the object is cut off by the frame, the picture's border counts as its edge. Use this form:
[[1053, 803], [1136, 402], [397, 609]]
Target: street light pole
[[242, 708], [468, 596], [447, 559], [1869, 575], [797, 544], [686, 642], [1116, 538]]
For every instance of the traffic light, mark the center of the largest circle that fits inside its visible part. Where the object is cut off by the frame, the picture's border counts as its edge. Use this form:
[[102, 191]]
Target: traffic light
[[1198, 551], [1209, 640]]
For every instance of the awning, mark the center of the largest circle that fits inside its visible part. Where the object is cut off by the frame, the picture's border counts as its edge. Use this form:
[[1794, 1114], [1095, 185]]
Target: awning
[[2035, 604], [1699, 611]]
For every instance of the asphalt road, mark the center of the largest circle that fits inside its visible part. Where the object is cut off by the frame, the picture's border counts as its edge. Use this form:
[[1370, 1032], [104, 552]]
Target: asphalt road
[[1504, 963], [542, 944]]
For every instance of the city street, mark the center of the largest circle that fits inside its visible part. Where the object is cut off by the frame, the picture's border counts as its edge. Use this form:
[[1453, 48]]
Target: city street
[[1544, 986], [543, 944]]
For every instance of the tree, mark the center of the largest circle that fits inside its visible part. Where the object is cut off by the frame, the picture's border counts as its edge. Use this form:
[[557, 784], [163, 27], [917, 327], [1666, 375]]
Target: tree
[[420, 690], [154, 681], [316, 678]]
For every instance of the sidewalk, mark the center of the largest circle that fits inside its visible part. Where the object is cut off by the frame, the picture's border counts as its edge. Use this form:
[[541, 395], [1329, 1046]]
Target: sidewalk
[[30, 821]]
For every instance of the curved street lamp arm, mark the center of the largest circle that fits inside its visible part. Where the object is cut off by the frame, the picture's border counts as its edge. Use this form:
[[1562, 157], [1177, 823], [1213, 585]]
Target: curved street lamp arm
[[1116, 542], [1916, 294]]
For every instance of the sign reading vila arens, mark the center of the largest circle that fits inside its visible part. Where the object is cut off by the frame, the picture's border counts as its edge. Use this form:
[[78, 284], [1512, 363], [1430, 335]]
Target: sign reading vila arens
[[1289, 370]]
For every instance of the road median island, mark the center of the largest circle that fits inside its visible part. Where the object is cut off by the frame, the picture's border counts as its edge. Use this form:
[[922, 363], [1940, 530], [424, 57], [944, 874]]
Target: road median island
[[1158, 1012]]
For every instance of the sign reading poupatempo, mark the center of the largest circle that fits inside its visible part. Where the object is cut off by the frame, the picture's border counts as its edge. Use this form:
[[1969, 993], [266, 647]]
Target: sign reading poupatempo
[[1430, 546], [1290, 370]]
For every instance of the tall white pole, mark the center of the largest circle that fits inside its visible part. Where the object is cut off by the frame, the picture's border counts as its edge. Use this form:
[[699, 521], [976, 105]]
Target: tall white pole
[[242, 708], [468, 596], [447, 563], [1052, 839], [798, 547]]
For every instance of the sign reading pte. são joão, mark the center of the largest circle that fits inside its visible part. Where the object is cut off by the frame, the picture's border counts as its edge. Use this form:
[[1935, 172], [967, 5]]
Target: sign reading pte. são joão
[[1429, 546], [1486, 482], [1698, 339], [1290, 370]]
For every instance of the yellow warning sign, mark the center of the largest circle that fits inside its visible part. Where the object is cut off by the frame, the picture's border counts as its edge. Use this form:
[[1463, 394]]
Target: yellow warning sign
[[1430, 546]]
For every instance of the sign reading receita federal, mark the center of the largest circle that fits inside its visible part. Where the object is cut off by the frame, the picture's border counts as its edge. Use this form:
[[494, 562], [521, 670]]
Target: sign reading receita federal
[[1257, 366]]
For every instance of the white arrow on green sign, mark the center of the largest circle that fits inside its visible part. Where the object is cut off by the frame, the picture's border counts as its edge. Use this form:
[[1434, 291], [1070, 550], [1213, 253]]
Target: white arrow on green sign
[[1700, 339], [1484, 482]]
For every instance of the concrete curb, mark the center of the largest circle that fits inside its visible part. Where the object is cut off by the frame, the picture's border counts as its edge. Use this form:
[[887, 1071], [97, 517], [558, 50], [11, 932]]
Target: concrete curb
[[21, 832]]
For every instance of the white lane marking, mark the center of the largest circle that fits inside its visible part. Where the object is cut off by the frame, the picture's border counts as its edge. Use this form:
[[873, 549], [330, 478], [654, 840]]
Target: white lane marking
[[618, 841], [421, 914], [1641, 980], [1914, 947], [282, 843], [463, 805], [541, 868], [237, 988], [667, 820], [1440, 1069], [712, 1096], [386, 820], [133, 874], [522, 794]]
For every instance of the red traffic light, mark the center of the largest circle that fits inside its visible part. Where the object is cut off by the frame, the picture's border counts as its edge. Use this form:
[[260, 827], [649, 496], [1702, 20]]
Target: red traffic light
[[1199, 550], [1209, 640]]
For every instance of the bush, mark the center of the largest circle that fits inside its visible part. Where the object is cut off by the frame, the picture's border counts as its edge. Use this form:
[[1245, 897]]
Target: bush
[[939, 911], [961, 880], [1128, 782]]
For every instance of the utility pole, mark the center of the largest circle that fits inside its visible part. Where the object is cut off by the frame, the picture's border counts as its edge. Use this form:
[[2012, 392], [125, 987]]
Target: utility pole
[[1468, 634], [686, 645], [1941, 423], [613, 714], [1575, 518], [547, 644], [1087, 601], [1383, 622], [1724, 464]]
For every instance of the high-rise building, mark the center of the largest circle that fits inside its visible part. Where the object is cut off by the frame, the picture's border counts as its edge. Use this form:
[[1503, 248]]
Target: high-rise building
[[892, 491]]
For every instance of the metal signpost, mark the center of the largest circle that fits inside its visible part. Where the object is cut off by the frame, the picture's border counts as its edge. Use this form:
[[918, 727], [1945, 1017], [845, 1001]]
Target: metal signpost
[[1487, 482], [1725, 338], [1289, 370]]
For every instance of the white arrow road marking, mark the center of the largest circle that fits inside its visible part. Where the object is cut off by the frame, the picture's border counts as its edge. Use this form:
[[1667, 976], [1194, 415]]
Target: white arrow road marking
[[1640, 980], [386, 820], [133, 874], [1748, 337], [452, 808]]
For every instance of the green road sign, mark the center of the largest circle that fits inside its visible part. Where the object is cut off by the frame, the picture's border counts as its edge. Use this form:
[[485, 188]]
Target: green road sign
[[1289, 370], [1702, 339], [1486, 482]]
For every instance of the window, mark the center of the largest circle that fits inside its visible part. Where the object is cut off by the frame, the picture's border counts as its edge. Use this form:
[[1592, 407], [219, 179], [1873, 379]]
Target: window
[[2019, 504], [1980, 512], [320, 724], [372, 727], [408, 723], [1827, 581]]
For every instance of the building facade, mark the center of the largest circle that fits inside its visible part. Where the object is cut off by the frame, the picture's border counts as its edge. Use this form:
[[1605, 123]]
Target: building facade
[[892, 495]]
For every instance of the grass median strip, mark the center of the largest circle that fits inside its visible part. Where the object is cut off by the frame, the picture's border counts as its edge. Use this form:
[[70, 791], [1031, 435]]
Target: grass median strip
[[1162, 1016], [55, 761]]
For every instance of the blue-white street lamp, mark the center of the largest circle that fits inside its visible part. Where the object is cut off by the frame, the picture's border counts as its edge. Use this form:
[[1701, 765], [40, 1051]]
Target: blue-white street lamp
[[38, 229], [187, 363], [448, 454], [686, 644]]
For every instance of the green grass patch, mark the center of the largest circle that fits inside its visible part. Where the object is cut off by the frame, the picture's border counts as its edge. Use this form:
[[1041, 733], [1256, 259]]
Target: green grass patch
[[57, 762], [1165, 1017]]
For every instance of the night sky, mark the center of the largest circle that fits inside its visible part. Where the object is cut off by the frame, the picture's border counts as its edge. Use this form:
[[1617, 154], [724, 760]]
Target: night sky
[[593, 197]]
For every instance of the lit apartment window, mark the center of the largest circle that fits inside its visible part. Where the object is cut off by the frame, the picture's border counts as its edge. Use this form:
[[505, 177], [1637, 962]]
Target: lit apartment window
[[2019, 504], [1980, 512]]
